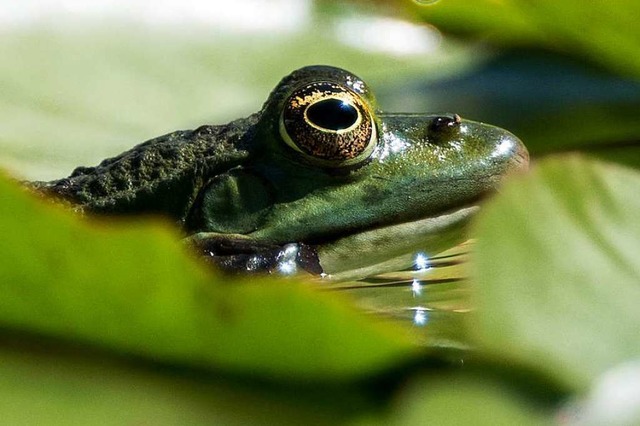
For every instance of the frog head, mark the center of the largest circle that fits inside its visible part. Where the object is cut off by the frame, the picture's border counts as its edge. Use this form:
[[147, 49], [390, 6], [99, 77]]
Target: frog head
[[327, 169]]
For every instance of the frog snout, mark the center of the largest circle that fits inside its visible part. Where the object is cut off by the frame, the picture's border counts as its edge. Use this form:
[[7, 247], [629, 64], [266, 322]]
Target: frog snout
[[520, 157], [512, 152]]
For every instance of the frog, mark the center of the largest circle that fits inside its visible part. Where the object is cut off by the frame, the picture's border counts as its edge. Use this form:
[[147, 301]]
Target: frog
[[319, 181]]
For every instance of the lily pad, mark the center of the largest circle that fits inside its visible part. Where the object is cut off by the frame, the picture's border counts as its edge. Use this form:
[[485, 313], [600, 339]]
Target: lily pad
[[587, 29], [558, 281], [134, 290], [464, 400], [48, 384]]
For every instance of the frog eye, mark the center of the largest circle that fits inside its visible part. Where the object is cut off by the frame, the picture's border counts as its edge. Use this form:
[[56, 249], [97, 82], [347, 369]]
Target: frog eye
[[329, 124]]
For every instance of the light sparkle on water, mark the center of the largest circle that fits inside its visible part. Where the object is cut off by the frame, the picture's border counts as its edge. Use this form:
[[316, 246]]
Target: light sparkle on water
[[421, 262], [287, 260], [420, 317], [287, 268], [416, 288]]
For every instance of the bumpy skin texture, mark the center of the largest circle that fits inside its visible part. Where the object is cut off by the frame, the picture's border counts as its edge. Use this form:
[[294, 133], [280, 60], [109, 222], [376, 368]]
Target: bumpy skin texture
[[162, 175], [245, 188]]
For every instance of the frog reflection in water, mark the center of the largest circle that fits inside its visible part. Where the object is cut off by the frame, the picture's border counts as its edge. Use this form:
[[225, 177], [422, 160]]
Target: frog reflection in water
[[318, 180]]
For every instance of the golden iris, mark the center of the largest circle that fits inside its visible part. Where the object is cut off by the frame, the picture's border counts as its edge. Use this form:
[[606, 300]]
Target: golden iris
[[328, 123]]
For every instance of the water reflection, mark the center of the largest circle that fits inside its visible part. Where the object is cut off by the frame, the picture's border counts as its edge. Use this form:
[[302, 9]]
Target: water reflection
[[416, 288], [286, 260], [432, 296], [420, 316], [422, 262]]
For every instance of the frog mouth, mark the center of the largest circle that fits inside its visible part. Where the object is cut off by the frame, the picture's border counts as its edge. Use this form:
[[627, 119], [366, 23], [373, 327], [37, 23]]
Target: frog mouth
[[368, 247], [345, 256], [369, 251]]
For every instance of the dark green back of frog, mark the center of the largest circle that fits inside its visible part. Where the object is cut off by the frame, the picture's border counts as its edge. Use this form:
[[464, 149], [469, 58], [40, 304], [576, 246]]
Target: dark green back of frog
[[162, 175]]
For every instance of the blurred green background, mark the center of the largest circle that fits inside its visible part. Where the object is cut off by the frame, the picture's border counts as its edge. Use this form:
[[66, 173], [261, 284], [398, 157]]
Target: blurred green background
[[111, 324]]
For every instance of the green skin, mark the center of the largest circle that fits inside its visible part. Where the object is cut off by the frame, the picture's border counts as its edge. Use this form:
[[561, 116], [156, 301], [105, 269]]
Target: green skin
[[248, 201]]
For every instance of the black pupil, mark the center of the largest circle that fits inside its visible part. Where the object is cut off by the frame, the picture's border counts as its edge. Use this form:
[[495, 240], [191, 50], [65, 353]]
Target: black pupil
[[332, 114]]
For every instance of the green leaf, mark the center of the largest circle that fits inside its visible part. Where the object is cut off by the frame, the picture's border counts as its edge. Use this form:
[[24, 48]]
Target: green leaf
[[557, 270], [48, 384], [464, 400], [131, 288], [589, 29]]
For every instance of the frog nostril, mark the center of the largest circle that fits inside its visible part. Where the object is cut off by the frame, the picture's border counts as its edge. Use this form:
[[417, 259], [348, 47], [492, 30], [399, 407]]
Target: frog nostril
[[444, 123]]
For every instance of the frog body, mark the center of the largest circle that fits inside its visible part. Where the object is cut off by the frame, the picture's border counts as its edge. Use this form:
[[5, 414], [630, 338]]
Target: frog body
[[162, 175], [318, 180]]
